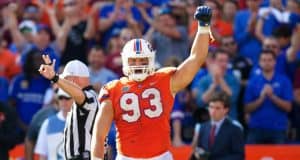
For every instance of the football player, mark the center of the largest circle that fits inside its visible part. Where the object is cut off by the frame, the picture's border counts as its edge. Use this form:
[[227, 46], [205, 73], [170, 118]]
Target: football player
[[140, 103]]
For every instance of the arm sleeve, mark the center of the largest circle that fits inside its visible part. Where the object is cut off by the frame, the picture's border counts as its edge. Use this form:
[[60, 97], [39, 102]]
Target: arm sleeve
[[90, 102], [41, 145]]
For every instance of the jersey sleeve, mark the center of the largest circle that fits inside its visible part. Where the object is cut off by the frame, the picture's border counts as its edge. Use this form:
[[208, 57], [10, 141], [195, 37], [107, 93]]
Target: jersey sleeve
[[105, 92]]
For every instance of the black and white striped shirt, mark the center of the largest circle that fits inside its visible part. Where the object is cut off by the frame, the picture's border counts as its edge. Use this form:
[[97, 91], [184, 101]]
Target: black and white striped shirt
[[79, 126]]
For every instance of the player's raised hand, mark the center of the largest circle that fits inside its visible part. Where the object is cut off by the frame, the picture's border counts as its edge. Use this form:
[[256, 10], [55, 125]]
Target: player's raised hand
[[203, 15], [47, 69]]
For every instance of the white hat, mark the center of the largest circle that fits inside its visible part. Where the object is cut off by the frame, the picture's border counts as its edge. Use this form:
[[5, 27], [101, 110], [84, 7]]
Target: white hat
[[61, 92], [75, 68], [28, 25]]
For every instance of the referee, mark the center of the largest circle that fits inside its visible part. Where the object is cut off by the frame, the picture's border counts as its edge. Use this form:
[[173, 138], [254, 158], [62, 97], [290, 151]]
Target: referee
[[79, 124]]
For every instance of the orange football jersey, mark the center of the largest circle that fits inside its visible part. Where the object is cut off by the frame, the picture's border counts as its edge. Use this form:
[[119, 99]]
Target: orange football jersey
[[142, 114]]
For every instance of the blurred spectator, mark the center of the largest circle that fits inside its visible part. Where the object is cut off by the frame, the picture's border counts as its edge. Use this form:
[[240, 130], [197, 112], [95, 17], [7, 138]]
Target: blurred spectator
[[182, 119], [99, 74], [178, 8], [8, 62], [293, 9], [219, 78], [286, 60], [283, 34], [164, 32], [117, 16], [114, 61], [29, 36], [32, 12], [237, 63], [295, 118], [3, 89], [192, 24], [147, 11], [267, 100], [219, 28], [8, 132], [220, 138], [36, 123], [268, 19], [229, 10], [27, 91], [241, 67], [50, 139], [266, 3], [42, 42], [73, 35], [244, 31]]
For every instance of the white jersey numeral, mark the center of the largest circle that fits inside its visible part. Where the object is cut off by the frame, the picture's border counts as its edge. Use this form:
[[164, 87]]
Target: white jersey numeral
[[129, 102]]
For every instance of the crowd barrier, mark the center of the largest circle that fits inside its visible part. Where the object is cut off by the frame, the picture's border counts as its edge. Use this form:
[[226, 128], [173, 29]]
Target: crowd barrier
[[253, 152]]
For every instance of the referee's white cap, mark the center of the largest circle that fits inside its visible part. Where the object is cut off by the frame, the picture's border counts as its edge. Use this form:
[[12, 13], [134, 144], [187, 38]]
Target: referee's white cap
[[61, 92], [75, 68]]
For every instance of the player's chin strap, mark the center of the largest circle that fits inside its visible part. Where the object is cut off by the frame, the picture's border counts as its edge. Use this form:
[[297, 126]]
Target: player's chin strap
[[96, 158], [205, 30]]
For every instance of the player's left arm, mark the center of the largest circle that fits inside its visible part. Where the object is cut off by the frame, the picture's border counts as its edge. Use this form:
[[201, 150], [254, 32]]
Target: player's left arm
[[188, 69], [101, 128]]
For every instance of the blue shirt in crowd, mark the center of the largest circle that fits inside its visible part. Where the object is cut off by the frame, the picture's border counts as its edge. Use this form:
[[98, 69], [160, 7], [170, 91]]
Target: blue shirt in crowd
[[102, 76], [248, 44], [282, 67], [48, 50], [29, 96], [268, 115], [204, 83], [3, 89], [120, 23]]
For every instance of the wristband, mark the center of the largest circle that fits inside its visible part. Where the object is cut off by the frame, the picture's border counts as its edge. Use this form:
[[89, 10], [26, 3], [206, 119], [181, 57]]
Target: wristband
[[55, 78], [203, 30]]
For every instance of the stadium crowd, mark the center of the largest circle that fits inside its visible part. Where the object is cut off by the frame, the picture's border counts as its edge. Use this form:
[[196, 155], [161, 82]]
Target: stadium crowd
[[254, 57]]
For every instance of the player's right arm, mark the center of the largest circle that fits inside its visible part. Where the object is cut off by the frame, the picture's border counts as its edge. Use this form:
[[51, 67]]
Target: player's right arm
[[102, 125]]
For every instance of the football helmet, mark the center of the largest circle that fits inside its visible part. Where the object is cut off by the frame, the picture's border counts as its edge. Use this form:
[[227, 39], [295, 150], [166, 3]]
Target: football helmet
[[138, 48]]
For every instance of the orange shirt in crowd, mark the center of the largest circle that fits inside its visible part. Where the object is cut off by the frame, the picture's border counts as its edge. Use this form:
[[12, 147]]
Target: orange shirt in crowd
[[220, 26], [8, 64], [142, 114]]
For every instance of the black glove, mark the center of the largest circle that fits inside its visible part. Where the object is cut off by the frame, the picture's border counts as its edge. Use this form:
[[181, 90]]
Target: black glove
[[203, 15]]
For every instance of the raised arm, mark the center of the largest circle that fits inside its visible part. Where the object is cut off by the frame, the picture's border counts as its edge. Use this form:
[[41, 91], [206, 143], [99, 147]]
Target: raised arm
[[259, 29], [47, 70], [90, 29], [295, 46], [10, 19], [188, 69]]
